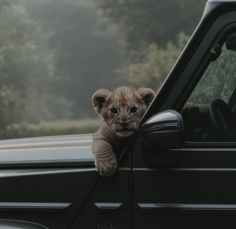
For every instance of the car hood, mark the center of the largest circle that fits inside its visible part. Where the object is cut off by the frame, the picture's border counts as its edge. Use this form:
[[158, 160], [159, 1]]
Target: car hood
[[69, 150]]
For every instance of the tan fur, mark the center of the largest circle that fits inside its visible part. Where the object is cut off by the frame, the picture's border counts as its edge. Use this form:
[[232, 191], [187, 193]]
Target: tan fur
[[120, 111]]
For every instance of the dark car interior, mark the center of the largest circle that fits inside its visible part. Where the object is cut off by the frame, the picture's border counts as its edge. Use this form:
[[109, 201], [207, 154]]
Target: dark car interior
[[211, 122]]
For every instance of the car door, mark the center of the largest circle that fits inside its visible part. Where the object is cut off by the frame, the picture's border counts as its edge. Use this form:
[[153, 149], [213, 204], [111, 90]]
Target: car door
[[192, 186], [51, 182]]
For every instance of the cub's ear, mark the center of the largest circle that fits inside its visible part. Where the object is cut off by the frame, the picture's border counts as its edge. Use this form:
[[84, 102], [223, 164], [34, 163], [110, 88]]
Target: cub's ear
[[146, 95], [99, 99]]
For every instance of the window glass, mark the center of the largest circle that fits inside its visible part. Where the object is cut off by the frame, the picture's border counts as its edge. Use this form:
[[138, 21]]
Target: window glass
[[218, 81], [210, 112]]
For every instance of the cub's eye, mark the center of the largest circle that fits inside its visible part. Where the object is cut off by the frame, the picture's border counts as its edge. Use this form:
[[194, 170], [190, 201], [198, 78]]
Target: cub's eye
[[114, 110], [133, 109]]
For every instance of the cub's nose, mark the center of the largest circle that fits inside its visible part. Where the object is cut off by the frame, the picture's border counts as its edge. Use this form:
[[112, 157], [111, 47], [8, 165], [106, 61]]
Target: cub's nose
[[124, 121]]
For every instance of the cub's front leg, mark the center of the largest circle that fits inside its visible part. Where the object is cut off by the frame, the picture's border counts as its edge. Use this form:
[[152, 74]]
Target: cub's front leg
[[105, 158]]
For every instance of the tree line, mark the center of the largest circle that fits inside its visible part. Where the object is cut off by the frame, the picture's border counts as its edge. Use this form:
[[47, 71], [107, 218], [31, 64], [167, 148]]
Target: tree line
[[54, 54]]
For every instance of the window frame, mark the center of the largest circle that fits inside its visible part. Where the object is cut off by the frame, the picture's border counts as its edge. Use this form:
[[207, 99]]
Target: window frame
[[220, 40], [189, 68], [204, 63]]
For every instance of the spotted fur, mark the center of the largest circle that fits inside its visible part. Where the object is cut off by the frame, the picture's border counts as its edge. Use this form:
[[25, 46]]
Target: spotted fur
[[120, 111]]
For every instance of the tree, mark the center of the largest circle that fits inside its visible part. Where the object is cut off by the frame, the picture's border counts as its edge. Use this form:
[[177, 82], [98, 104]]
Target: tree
[[26, 63], [152, 22], [155, 65], [86, 57]]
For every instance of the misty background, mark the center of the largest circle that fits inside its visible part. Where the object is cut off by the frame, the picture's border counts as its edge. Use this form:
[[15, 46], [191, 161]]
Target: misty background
[[55, 53]]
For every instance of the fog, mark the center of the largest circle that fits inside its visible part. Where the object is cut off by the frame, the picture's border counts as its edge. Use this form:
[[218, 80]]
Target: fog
[[54, 54]]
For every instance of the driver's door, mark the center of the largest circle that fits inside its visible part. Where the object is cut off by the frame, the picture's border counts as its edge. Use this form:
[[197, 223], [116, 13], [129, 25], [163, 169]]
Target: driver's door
[[193, 186]]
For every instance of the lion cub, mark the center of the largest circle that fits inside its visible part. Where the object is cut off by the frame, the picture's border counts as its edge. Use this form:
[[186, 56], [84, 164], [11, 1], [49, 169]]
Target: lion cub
[[120, 111]]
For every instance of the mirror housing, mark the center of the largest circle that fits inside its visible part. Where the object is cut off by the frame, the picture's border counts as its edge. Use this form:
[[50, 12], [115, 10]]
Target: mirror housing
[[164, 130]]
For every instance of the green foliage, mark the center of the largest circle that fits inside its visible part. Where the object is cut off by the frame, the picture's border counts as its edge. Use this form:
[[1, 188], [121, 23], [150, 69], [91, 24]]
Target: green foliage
[[154, 21], [218, 81], [85, 56], [62, 127], [27, 69], [156, 64], [51, 61], [151, 32], [54, 55]]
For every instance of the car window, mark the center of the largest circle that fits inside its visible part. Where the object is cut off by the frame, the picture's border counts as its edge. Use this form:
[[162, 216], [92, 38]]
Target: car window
[[210, 112], [218, 81]]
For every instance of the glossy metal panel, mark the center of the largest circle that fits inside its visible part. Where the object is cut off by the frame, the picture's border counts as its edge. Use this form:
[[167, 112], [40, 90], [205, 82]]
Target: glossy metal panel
[[17, 224], [33, 206], [187, 208], [35, 156], [167, 116]]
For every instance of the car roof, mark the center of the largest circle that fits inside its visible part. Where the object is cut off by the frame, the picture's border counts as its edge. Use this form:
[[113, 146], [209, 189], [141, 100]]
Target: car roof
[[219, 7]]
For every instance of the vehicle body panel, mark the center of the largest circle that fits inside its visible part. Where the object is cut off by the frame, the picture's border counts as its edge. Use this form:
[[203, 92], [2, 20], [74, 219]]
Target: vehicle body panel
[[16, 224], [52, 181], [199, 190]]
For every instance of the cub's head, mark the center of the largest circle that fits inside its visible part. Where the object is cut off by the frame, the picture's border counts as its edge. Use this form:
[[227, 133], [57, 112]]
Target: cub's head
[[122, 108]]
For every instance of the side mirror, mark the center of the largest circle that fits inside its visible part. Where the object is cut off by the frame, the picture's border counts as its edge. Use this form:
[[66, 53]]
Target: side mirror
[[164, 130]]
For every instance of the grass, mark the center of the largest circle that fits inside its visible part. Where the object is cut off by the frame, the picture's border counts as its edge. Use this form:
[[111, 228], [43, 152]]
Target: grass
[[62, 127]]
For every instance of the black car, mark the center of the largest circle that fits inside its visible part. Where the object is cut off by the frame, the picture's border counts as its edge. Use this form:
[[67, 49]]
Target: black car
[[178, 172]]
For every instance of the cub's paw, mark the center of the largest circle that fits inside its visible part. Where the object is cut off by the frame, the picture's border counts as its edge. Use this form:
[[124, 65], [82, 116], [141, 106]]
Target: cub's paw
[[106, 167]]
